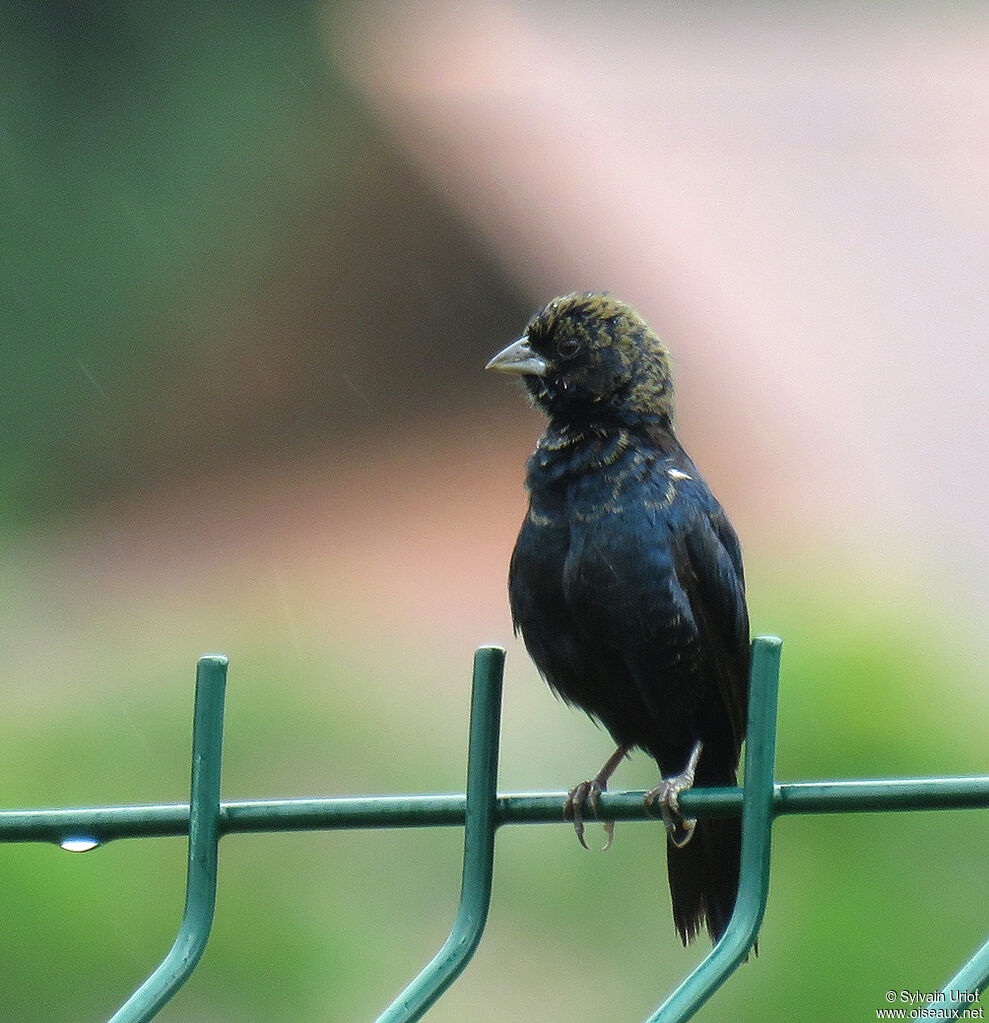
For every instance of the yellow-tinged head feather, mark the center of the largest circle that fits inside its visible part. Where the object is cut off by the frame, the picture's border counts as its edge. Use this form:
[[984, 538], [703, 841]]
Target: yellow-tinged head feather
[[589, 356]]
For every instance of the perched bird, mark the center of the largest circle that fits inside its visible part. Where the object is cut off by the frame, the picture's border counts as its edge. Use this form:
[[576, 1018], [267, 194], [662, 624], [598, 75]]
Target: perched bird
[[626, 581]]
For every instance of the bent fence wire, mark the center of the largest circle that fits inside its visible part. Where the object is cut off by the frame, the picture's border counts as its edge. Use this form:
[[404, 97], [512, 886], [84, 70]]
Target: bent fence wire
[[481, 811]]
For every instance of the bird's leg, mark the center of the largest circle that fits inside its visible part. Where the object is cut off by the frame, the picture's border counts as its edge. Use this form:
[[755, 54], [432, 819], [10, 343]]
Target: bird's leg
[[587, 793], [667, 794]]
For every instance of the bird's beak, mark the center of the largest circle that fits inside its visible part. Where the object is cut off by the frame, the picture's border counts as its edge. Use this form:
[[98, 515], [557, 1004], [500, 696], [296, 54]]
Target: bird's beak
[[519, 358]]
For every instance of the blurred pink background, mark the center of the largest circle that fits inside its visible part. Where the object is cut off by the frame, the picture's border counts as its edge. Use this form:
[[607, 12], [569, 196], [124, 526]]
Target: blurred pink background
[[798, 201]]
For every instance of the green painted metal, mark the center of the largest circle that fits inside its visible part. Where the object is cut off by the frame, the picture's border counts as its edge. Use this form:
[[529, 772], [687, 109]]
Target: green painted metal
[[480, 812], [972, 978], [479, 838], [106, 824], [757, 826], [204, 815]]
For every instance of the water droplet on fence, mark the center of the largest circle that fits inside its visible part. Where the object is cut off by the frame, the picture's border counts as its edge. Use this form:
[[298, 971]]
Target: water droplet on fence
[[79, 844]]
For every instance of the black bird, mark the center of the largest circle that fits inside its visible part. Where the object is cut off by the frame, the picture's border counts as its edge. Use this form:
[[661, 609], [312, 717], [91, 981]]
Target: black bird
[[626, 581]]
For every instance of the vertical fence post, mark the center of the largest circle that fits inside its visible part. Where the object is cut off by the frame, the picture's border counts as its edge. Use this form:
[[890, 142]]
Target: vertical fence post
[[204, 818], [479, 835], [757, 824], [967, 984]]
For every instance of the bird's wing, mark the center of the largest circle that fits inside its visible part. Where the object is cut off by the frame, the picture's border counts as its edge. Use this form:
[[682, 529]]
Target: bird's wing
[[663, 591], [708, 564]]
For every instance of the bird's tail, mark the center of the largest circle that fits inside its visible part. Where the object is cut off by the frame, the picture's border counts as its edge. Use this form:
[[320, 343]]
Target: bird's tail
[[704, 876]]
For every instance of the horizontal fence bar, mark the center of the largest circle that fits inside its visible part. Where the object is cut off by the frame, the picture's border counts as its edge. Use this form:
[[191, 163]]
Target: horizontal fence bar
[[104, 824]]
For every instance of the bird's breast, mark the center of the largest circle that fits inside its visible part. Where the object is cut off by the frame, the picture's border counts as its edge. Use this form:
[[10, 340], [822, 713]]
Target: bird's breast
[[587, 474], [589, 530]]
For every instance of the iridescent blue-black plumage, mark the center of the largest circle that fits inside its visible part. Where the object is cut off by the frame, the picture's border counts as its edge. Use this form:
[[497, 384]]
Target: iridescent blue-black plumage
[[626, 581]]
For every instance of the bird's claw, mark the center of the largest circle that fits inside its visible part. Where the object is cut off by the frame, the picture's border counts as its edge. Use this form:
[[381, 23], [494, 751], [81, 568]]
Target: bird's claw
[[679, 829], [581, 796]]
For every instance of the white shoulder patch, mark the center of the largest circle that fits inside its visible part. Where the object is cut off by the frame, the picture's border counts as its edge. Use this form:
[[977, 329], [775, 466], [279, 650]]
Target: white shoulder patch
[[675, 474]]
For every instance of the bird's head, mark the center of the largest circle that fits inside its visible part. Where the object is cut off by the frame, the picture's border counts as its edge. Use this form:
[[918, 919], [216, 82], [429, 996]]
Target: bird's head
[[588, 357]]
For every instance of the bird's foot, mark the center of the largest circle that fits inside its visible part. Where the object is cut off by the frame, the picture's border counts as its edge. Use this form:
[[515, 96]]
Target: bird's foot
[[587, 793], [579, 799], [667, 793]]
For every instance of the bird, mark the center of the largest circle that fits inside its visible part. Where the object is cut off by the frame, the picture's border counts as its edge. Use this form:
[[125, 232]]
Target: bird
[[626, 582]]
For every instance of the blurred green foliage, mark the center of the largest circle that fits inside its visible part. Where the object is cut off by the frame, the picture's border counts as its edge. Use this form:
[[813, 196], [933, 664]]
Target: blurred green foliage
[[213, 256], [150, 154]]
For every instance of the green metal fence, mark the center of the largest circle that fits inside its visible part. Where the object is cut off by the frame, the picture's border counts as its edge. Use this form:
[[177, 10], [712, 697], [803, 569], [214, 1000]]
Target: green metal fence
[[481, 811]]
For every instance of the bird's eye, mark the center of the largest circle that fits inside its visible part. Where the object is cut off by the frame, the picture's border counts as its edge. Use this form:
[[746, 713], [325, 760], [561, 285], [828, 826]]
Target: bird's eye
[[567, 347]]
